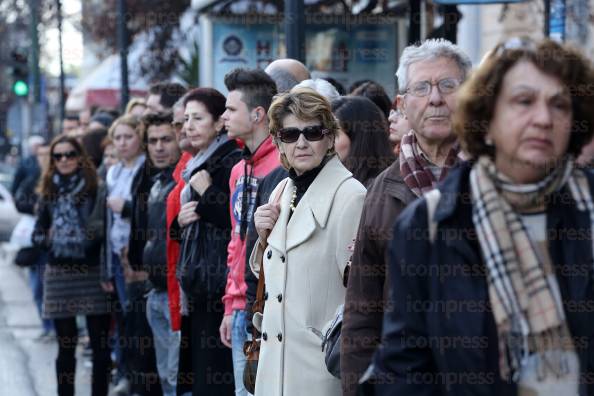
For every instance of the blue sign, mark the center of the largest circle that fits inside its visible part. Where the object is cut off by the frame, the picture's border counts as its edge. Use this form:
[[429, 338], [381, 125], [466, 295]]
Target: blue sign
[[557, 20]]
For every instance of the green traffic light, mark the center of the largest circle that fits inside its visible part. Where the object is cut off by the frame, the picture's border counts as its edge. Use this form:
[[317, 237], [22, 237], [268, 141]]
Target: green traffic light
[[20, 88]]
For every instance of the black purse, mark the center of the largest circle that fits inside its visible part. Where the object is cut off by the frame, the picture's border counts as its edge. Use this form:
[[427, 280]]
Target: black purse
[[331, 344], [332, 333], [202, 266]]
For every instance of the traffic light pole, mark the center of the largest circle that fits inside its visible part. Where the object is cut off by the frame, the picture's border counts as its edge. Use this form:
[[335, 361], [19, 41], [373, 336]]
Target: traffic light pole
[[62, 83], [34, 59], [123, 44], [295, 29]]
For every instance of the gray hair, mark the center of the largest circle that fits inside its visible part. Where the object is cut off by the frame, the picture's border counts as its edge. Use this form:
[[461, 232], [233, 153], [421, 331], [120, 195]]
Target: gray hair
[[321, 86], [429, 50]]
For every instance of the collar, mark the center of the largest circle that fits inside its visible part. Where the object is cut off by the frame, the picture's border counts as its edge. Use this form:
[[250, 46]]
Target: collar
[[303, 181], [181, 165], [453, 191], [320, 194], [424, 156], [264, 149], [314, 208]]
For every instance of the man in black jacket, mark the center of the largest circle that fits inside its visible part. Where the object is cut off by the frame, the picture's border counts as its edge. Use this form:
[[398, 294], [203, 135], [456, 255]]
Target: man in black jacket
[[148, 319]]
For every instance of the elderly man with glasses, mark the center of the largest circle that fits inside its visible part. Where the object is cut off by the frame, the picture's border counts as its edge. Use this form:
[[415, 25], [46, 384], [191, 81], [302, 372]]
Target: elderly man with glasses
[[428, 76]]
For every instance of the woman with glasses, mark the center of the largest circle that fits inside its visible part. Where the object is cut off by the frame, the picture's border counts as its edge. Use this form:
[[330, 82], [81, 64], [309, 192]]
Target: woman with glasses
[[308, 235], [71, 281], [492, 275]]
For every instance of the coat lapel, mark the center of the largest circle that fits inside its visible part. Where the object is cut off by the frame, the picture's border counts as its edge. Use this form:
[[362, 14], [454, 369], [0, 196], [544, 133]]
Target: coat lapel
[[314, 208], [301, 226]]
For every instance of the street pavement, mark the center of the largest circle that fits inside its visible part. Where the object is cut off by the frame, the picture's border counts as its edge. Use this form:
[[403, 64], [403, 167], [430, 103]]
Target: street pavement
[[27, 364]]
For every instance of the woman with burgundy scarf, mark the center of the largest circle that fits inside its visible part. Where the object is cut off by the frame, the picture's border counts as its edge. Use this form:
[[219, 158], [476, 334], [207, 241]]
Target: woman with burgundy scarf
[[492, 275]]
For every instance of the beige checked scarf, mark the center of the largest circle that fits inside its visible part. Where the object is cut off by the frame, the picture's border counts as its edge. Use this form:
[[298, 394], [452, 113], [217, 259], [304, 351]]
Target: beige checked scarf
[[528, 316], [416, 170]]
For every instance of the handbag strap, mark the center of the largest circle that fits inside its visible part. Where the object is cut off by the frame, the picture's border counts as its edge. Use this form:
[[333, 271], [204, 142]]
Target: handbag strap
[[259, 303]]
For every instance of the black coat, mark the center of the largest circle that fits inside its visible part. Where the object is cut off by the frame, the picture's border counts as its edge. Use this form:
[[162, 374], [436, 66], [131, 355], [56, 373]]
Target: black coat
[[440, 337], [141, 187], [197, 358], [214, 224], [154, 255], [25, 196], [28, 167]]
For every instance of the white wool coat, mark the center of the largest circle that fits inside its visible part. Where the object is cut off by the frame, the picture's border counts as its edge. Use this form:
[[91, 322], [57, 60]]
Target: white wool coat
[[304, 264]]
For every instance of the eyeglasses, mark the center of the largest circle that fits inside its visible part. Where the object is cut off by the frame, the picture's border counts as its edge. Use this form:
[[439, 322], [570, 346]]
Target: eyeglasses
[[423, 88], [67, 155], [312, 133]]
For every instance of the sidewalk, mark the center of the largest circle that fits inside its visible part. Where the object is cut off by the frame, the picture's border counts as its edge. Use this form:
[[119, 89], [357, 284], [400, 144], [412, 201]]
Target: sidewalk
[[27, 365]]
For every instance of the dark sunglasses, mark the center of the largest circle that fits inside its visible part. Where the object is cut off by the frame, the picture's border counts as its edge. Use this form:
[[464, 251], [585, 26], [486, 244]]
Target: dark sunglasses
[[67, 155], [311, 133]]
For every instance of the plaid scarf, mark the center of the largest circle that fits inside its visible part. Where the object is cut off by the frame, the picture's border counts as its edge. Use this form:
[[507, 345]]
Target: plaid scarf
[[528, 316], [416, 170]]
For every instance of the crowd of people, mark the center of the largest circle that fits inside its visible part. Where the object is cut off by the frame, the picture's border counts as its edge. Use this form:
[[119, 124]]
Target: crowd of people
[[448, 231]]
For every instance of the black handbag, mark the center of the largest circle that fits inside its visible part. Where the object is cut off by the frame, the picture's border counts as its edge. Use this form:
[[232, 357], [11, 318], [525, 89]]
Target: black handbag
[[331, 344], [202, 264], [332, 335], [28, 256]]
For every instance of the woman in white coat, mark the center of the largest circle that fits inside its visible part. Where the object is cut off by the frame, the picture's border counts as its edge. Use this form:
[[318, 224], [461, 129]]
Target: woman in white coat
[[309, 234]]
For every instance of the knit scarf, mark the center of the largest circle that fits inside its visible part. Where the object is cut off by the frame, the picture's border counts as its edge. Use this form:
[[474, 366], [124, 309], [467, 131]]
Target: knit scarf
[[67, 233], [415, 169], [529, 318]]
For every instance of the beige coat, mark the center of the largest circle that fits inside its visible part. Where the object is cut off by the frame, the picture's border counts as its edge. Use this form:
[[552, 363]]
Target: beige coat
[[304, 264]]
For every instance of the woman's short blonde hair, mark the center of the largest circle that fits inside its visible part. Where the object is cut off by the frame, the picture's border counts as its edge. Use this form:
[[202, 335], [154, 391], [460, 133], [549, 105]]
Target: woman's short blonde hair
[[130, 120], [305, 104], [133, 103]]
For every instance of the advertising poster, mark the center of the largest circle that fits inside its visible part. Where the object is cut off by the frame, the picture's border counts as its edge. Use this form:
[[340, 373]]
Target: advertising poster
[[344, 51], [362, 52]]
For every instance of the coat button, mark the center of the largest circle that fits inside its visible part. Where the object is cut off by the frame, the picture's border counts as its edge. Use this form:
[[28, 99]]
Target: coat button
[[269, 254], [279, 297], [266, 296], [283, 259], [280, 337], [264, 336]]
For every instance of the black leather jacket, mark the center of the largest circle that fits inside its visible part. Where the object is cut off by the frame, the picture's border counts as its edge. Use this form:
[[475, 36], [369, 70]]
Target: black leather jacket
[[154, 254]]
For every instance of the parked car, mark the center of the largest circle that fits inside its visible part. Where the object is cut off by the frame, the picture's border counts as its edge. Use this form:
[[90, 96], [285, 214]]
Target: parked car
[[9, 216]]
